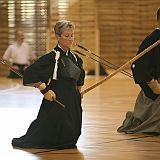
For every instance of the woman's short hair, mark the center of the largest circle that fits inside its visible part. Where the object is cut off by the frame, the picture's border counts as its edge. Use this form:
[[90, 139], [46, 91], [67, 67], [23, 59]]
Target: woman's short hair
[[158, 14], [61, 24]]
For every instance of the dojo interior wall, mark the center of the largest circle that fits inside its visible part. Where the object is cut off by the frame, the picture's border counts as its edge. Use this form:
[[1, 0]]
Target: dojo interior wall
[[111, 29]]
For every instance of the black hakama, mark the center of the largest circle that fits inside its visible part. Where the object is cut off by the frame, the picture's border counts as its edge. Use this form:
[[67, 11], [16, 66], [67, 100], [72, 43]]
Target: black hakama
[[55, 126]]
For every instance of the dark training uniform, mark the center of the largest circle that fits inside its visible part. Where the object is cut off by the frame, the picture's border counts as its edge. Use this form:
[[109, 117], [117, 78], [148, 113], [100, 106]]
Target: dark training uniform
[[146, 115], [55, 126]]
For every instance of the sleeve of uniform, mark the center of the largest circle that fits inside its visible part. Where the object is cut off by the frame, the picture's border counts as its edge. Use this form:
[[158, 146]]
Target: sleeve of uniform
[[7, 54], [32, 55], [80, 81], [143, 69], [147, 91], [40, 70]]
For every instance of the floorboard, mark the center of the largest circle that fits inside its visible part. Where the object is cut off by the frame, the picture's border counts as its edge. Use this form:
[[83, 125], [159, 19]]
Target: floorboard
[[104, 109]]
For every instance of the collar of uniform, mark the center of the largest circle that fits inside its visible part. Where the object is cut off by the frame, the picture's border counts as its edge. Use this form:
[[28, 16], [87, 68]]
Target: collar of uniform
[[61, 49]]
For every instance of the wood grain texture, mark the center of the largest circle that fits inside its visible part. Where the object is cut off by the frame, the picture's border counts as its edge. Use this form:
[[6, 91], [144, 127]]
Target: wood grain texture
[[104, 109]]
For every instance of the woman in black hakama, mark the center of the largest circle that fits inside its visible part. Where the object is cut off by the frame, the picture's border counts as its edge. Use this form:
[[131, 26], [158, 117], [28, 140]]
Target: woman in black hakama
[[55, 126]]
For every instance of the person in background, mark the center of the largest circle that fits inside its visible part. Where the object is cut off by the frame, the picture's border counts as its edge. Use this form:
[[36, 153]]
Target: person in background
[[146, 72], [19, 55], [58, 75]]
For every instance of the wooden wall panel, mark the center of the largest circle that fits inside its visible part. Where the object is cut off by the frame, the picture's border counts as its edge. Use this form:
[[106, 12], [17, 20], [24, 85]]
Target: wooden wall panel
[[123, 25], [3, 33], [112, 29], [29, 15]]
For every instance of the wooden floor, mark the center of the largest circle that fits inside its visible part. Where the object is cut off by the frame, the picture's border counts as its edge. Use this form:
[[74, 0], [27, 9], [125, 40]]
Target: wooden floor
[[104, 109]]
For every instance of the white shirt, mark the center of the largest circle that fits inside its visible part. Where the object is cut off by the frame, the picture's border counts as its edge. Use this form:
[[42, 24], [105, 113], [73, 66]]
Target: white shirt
[[20, 54]]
